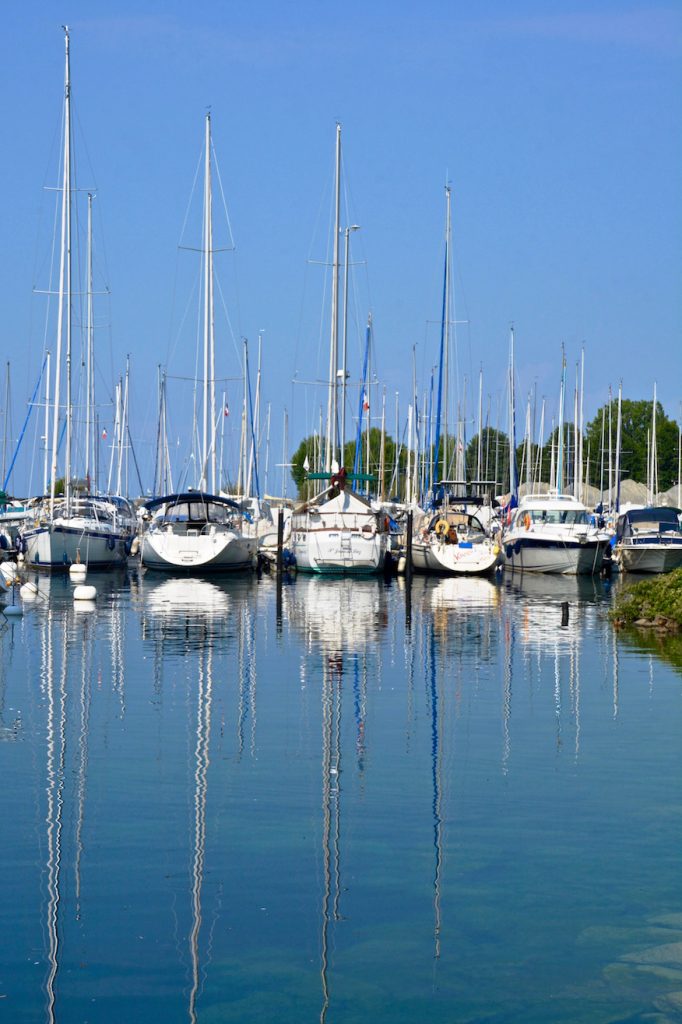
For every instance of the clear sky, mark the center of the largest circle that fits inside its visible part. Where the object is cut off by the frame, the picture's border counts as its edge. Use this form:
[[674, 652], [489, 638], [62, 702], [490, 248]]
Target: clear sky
[[557, 126]]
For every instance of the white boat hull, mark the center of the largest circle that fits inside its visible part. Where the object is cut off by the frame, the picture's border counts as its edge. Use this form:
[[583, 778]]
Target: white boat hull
[[58, 546], [652, 558], [568, 557], [435, 556], [214, 550], [339, 551]]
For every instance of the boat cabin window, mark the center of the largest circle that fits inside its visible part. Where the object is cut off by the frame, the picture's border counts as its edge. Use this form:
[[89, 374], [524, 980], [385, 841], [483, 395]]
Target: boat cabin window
[[197, 512], [556, 516]]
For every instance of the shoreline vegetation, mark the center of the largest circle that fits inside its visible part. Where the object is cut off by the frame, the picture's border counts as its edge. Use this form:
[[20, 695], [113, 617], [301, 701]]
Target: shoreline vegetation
[[651, 604]]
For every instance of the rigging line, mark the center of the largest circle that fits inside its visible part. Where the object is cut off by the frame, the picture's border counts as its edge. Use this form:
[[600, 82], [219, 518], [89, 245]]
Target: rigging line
[[216, 167], [223, 303]]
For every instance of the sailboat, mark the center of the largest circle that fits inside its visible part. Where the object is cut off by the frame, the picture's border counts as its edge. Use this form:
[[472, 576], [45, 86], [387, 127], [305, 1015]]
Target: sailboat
[[69, 528], [453, 539], [199, 531], [338, 531]]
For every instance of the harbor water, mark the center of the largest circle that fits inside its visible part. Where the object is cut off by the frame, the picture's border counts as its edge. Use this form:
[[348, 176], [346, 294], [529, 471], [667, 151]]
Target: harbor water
[[339, 801]]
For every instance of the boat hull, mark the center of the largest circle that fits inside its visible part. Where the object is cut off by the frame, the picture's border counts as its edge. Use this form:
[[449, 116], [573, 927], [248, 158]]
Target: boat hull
[[651, 558], [214, 551], [455, 559], [339, 552], [566, 557], [55, 547]]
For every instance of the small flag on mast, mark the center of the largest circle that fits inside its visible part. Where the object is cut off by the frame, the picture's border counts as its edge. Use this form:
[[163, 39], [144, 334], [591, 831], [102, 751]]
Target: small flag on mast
[[104, 434]]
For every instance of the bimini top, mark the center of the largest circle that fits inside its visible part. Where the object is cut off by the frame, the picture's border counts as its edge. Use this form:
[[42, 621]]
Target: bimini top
[[192, 496], [655, 519]]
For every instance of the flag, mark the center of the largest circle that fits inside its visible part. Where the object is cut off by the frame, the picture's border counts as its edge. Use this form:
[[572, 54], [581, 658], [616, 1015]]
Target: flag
[[365, 401], [104, 434], [306, 464], [226, 410]]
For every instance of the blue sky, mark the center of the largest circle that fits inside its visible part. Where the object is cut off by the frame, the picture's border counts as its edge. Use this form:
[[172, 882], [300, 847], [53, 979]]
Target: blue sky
[[557, 127]]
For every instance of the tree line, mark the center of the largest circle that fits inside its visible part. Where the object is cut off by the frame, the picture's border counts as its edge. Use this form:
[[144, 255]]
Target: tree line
[[636, 424]]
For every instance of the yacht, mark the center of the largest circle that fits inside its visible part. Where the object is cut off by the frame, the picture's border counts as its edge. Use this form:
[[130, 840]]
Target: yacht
[[649, 539], [553, 533], [195, 531]]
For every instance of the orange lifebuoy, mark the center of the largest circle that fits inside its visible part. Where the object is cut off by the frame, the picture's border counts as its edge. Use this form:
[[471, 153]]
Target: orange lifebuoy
[[442, 527]]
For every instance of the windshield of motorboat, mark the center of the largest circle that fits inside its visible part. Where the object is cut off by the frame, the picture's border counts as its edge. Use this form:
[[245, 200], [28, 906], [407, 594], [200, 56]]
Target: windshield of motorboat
[[555, 516]]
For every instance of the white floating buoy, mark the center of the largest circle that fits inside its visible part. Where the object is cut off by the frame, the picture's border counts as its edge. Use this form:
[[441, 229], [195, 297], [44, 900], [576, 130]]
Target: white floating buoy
[[9, 571], [13, 609], [402, 564], [78, 570], [83, 593], [135, 546], [28, 592]]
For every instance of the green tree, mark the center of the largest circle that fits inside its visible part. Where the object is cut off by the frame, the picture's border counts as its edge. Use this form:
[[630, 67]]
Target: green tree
[[494, 456], [309, 447], [635, 432]]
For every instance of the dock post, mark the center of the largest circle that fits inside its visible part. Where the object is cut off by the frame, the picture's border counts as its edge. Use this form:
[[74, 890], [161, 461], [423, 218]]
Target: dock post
[[280, 541], [408, 548]]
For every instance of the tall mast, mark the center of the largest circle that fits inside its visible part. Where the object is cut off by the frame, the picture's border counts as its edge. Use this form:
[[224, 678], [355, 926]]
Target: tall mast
[[479, 460], [64, 287], [654, 452], [446, 329], [334, 346], [47, 423], [208, 409], [560, 438], [619, 426], [444, 325], [581, 434], [513, 481], [89, 376]]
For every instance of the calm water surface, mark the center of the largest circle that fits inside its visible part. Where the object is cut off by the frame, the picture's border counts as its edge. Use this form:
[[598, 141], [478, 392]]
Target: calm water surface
[[335, 803]]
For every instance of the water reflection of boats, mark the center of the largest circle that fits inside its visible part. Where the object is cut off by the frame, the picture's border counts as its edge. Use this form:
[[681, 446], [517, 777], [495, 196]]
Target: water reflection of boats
[[179, 596], [554, 588], [67, 713], [198, 827], [343, 615], [182, 613], [458, 593], [553, 610]]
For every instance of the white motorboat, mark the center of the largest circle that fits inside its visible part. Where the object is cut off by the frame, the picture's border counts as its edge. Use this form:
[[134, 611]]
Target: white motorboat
[[553, 533], [196, 532], [649, 539]]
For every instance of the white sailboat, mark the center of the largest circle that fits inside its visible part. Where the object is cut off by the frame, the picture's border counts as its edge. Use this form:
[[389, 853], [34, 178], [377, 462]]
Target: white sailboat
[[455, 541], [338, 531], [66, 529], [199, 531]]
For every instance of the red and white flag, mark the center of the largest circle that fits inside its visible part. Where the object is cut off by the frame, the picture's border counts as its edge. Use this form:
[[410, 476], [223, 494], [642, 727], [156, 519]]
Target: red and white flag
[[226, 410], [365, 401], [104, 434]]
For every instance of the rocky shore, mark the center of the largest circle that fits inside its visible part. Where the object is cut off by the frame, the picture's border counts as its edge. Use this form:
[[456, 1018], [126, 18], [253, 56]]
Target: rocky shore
[[654, 604]]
